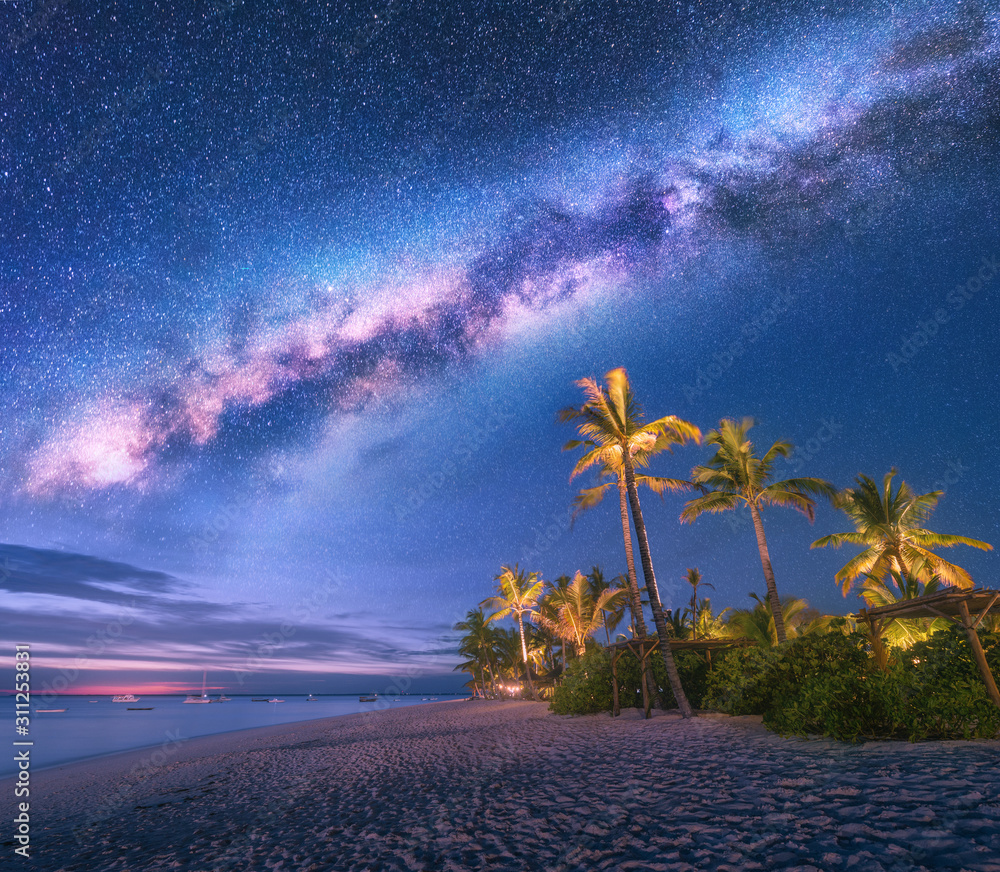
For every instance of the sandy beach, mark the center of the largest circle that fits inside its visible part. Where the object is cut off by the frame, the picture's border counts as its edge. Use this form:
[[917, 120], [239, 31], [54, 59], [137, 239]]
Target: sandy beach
[[508, 785]]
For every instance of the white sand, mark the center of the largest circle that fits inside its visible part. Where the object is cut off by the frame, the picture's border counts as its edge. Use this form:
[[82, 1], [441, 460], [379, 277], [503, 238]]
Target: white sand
[[507, 785]]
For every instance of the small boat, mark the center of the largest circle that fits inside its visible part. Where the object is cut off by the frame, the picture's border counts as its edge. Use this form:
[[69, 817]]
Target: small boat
[[131, 709], [275, 700], [224, 698], [91, 700], [194, 698], [312, 698], [49, 710], [373, 697], [259, 699], [124, 697]]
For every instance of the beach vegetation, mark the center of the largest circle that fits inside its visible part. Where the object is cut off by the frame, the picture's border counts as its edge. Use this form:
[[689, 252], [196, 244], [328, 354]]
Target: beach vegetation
[[586, 686], [830, 684], [736, 476], [517, 596], [889, 526], [578, 613], [614, 434]]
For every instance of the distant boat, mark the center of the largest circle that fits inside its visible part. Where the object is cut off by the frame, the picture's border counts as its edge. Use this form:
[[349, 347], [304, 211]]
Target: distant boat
[[311, 698], [373, 697], [204, 696], [49, 710], [130, 709], [124, 697], [224, 698], [275, 700], [259, 699], [91, 700]]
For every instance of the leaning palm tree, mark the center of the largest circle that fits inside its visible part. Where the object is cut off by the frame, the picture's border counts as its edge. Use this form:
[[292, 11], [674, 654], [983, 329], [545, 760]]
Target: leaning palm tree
[[612, 474], [736, 476], [612, 430], [889, 526], [517, 594]]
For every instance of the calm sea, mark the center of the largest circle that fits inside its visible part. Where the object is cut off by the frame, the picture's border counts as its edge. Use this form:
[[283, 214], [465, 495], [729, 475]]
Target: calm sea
[[91, 729]]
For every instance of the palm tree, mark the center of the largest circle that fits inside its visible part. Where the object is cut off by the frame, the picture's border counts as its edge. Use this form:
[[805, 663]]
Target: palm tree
[[580, 615], [889, 526], [895, 587], [612, 474], [613, 612], [735, 475], [758, 624], [507, 647], [517, 595], [610, 422], [477, 644], [693, 577]]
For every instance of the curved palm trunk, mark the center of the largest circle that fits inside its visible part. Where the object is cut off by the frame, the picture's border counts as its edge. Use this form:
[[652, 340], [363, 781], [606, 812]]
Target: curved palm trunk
[[524, 653], [635, 600], [654, 596], [772, 590]]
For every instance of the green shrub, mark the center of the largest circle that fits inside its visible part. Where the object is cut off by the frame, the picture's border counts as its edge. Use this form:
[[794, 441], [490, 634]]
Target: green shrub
[[587, 682], [818, 684], [737, 685], [828, 684], [943, 693], [586, 685]]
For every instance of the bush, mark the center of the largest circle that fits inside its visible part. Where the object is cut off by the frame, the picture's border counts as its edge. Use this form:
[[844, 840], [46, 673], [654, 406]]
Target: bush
[[586, 685], [944, 694], [828, 684], [737, 684]]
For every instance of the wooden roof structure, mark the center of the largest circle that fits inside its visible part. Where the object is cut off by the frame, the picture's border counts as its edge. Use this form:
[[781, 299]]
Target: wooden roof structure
[[967, 608], [643, 648], [944, 604]]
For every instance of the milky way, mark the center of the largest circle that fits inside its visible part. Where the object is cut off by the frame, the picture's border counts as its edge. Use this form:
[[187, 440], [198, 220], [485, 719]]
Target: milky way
[[267, 255]]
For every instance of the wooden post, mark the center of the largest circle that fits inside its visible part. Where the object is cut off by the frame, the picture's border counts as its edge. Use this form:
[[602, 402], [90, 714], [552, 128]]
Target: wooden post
[[977, 650], [615, 708]]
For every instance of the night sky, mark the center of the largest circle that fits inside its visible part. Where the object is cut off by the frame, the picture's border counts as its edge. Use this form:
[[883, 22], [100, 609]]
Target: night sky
[[291, 292]]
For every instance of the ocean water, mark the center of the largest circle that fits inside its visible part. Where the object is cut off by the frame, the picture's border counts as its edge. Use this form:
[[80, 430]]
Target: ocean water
[[91, 729]]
